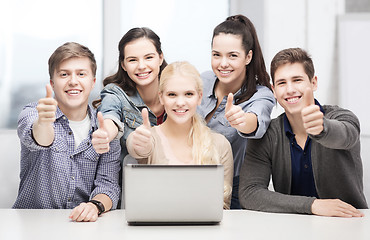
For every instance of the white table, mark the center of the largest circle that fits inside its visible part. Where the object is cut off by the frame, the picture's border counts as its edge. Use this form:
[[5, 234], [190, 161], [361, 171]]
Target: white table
[[242, 224]]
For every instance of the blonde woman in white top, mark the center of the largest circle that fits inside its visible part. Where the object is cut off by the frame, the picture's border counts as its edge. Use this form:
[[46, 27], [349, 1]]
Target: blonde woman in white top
[[183, 138]]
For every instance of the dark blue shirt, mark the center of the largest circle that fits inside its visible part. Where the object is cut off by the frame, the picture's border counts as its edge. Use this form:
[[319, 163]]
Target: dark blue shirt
[[303, 182]]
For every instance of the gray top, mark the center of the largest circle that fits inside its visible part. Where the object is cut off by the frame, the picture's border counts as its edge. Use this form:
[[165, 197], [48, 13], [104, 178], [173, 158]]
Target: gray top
[[261, 104], [336, 165]]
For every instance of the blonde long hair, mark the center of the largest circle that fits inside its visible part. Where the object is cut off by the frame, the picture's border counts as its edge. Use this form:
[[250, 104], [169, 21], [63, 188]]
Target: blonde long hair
[[203, 150]]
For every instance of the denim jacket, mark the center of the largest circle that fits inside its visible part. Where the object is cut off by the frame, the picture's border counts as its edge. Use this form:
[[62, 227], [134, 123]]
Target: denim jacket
[[124, 111]]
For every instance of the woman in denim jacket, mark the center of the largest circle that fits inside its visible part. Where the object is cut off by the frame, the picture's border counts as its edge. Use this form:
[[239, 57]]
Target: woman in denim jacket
[[132, 88]]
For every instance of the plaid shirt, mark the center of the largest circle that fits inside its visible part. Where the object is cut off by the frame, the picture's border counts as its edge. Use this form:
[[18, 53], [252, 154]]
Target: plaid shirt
[[60, 176]]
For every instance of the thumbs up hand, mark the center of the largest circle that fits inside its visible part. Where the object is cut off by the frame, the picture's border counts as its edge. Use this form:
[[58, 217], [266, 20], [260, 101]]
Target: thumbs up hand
[[312, 117], [142, 136], [47, 107], [100, 140], [235, 114]]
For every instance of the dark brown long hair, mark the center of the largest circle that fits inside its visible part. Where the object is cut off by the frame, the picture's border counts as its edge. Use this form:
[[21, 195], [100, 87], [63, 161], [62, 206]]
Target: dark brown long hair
[[256, 72], [121, 77]]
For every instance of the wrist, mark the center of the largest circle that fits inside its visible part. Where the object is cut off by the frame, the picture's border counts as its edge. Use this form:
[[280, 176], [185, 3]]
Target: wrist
[[99, 205]]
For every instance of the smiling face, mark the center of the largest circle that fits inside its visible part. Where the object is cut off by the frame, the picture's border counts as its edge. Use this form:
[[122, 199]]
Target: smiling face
[[180, 98], [290, 83], [142, 62], [72, 83], [229, 59]]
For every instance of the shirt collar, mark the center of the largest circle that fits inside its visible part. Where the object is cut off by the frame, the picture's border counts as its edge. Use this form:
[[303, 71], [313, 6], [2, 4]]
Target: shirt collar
[[137, 100], [211, 91], [90, 110]]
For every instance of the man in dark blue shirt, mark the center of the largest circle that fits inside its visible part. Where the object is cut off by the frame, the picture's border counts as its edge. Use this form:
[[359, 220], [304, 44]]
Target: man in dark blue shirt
[[311, 151]]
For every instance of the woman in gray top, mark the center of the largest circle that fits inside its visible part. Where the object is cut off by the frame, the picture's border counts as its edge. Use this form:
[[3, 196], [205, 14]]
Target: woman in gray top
[[237, 100]]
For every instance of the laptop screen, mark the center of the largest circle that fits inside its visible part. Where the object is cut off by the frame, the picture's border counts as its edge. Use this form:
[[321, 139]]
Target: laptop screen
[[173, 193]]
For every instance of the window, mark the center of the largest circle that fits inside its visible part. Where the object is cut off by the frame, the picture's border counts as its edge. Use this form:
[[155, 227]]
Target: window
[[30, 32], [185, 27]]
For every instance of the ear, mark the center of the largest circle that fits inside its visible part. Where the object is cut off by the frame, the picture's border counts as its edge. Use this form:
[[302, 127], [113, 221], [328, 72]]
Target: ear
[[52, 83], [273, 90], [161, 58], [123, 66], [200, 98], [314, 83], [94, 81], [249, 57], [160, 95]]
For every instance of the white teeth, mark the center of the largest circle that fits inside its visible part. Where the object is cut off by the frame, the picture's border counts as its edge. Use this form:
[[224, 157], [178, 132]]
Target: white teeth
[[225, 72], [292, 99], [143, 74], [73, 92], [180, 111]]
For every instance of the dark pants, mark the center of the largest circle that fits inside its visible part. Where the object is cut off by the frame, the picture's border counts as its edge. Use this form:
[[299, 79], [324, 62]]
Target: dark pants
[[235, 194]]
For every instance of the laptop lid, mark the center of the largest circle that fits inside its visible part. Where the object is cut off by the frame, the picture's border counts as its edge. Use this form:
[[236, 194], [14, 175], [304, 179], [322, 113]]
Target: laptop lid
[[165, 194]]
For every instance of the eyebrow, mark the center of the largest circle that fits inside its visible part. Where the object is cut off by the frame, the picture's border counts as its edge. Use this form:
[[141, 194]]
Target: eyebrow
[[148, 54], [284, 79], [298, 76], [69, 70], [280, 80], [228, 52]]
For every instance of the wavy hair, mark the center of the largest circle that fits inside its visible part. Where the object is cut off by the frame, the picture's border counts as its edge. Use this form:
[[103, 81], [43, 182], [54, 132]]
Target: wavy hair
[[67, 51]]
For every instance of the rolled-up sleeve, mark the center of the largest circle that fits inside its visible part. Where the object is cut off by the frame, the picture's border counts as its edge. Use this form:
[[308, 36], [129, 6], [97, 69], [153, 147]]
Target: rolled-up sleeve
[[106, 181], [111, 107], [26, 119]]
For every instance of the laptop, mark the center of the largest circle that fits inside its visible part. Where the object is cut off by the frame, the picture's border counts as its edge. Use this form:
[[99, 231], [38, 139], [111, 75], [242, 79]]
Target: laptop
[[173, 194]]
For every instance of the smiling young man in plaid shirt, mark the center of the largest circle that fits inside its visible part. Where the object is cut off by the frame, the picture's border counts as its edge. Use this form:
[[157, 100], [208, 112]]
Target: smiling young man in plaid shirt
[[59, 166]]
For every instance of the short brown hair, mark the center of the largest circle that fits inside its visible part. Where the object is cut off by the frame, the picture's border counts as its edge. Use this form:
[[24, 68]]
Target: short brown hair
[[67, 51], [292, 55]]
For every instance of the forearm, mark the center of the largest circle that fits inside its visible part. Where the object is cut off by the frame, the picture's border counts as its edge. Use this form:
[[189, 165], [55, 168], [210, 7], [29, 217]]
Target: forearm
[[111, 128], [43, 133], [338, 134], [261, 199], [255, 175]]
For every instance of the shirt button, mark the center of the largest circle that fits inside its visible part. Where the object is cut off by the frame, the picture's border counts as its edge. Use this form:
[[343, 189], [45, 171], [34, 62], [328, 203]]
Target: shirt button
[[73, 178], [71, 156], [214, 116], [306, 166], [69, 199], [70, 133]]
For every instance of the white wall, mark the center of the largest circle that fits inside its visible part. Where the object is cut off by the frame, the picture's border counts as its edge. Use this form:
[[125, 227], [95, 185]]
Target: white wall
[[9, 167], [354, 52], [308, 24], [314, 26]]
